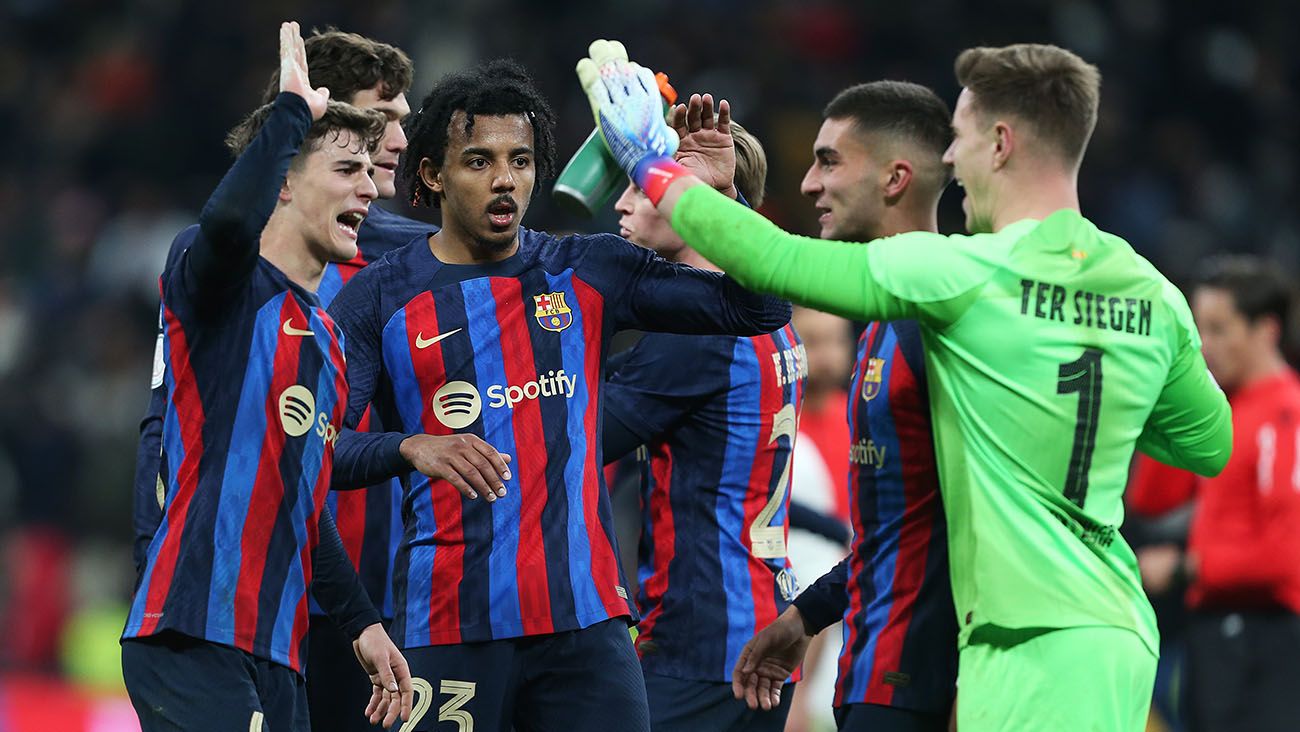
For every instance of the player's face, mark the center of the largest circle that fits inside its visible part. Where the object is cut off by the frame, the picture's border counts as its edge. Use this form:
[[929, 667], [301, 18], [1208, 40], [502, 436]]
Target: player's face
[[329, 195], [971, 157], [487, 177], [393, 143], [642, 224], [828, 341], [843, 182], [1228, 339]]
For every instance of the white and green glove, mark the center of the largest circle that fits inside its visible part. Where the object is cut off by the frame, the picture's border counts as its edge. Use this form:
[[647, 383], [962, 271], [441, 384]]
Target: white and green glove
[[628, 107]]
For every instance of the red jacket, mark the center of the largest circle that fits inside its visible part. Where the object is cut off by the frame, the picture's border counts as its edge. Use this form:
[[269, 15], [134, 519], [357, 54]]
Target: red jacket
[[1245, 533]]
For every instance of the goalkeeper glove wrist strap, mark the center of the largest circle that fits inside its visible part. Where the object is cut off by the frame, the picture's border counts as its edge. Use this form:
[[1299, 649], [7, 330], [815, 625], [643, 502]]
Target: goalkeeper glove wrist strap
[[653, 175]]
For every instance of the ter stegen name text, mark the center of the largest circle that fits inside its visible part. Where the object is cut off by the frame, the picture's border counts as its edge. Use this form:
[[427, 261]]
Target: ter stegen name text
[[1090, 309]]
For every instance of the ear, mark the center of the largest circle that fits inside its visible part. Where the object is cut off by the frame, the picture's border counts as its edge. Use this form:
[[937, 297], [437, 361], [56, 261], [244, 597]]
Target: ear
[[286, 189], [431, 176], [898, 176], [1004, 142], [1270, 329]]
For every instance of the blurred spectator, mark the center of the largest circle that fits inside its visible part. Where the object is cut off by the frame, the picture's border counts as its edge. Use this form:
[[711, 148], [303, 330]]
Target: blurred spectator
[[1243, 552]]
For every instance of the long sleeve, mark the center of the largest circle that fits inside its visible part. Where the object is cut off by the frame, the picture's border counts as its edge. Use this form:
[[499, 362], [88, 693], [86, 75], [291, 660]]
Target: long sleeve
[[812, 521], [362, 458], [335, 583], [146, 513], [1191, 424], [230, 226], [824, 602]]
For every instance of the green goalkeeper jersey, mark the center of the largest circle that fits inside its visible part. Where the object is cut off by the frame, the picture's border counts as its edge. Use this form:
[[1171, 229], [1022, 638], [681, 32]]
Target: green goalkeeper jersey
[[1052, 350]]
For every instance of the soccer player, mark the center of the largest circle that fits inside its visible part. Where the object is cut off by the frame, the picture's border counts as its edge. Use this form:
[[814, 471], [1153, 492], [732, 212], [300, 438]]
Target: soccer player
[[370, 75], [512, 608], [1052, 349], [878, 171], [718, 416], [1243, 551], [255, 400]]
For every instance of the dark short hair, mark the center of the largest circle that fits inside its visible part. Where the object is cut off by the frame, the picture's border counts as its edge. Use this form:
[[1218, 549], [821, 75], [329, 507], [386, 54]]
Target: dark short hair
[[1051, 89], [1258, 288], [908, 110], [347, 63], [499, 87], [367, 124]]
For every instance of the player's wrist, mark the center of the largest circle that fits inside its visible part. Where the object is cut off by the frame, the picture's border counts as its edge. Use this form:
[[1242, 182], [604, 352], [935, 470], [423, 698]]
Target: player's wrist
[[653, 174]]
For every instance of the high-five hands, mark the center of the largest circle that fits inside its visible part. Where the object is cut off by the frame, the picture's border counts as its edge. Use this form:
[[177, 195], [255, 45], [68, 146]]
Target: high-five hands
[[293, 70]]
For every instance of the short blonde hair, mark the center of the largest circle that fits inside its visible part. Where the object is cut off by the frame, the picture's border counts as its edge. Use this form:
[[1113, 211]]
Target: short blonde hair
[[1050, 88], [751, 165]]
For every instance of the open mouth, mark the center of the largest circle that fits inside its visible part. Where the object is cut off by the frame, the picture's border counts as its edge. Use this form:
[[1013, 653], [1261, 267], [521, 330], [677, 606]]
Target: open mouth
[[349, 222], [823, 214], [502, 214], [390, 166]]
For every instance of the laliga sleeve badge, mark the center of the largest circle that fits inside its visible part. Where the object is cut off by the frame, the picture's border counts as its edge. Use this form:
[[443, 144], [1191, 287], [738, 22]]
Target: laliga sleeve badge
[[552, 312]]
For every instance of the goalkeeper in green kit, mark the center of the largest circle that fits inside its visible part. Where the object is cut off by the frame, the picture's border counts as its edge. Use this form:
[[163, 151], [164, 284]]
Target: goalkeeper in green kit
[[1052, 349]]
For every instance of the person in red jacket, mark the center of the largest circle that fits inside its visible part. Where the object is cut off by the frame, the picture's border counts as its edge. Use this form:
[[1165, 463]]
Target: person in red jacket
[[1242, 561]]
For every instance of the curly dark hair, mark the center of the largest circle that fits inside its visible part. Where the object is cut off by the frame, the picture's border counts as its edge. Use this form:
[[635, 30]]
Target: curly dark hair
[[498, 87]]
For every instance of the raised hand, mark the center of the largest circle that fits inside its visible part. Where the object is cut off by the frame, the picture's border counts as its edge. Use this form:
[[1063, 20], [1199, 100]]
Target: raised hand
[[471, 465], [628, 107], [706, 147], [293, 70], [768, 659]]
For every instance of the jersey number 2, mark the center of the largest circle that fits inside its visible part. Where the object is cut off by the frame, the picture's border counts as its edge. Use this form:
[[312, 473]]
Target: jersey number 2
[[1083, 377], [768, 542]]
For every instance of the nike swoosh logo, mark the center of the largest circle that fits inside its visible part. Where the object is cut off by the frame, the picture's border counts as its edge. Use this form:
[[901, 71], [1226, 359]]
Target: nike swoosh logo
[[422, 343], [290, 330]]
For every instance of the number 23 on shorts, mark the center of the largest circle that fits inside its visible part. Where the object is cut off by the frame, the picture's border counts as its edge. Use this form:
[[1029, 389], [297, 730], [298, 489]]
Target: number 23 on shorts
[[450, 711]]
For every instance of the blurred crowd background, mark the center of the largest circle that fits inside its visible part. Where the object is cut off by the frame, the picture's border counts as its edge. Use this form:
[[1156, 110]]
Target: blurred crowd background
[[115, 111]]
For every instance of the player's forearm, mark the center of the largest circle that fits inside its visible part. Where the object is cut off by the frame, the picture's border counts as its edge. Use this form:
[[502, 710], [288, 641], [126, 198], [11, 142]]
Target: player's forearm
[[826, 275], [366, 458], [1191, 425], [335, 583], [824, 603], [827, 527], [235, 213]]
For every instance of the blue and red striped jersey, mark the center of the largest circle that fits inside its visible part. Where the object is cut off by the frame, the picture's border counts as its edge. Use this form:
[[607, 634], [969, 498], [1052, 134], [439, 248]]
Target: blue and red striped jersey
[[718, 415], [893, 590], [514, 352], [369, 519], [255, 399]]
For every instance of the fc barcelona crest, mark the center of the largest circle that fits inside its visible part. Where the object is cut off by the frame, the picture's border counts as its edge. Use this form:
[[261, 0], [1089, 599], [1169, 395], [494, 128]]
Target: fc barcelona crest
[[552, 313], [871, 379]]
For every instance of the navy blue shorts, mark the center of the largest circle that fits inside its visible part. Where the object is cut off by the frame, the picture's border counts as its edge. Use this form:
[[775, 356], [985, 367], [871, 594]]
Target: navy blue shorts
[[687, 705], [181, 683], [585, 680], [880, 718], [337, 689]]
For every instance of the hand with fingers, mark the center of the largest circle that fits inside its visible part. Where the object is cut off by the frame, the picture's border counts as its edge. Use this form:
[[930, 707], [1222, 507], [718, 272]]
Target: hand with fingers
[[705, 146], [768, 659], [392, 695], [471, 465], [293, 70], [628, 107]]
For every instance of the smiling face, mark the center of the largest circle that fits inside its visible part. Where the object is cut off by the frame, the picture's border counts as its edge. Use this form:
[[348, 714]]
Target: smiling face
[[843, 182], [486, 178], [328, 192], [971, 156], [393, 143]]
